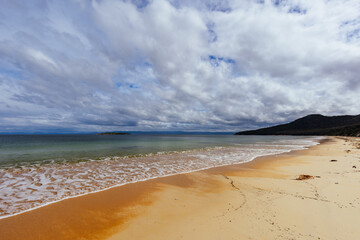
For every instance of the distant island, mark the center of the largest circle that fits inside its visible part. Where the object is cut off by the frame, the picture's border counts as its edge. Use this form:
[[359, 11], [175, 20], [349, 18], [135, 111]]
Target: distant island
[[315, 124], [113, 133]]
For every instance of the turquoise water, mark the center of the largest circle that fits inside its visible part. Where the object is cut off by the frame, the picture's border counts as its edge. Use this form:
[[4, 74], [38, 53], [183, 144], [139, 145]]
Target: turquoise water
[[17, 150], [36, 170]]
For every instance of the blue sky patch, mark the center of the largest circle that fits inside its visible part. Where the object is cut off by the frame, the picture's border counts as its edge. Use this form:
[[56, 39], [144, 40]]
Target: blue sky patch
[[140, 3], [297, 9], [355, 34], [14, 74], [278, 2], [133, 86], [215, 61]]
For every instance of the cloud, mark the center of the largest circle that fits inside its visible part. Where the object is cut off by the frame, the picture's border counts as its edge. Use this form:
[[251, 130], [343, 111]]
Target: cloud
[[107, 65]]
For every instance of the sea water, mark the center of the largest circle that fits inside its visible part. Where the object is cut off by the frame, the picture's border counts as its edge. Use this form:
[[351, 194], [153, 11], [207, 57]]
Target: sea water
[[36, 170]]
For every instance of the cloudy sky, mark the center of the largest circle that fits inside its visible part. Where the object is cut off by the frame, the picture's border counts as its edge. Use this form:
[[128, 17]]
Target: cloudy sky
[[191, 65]]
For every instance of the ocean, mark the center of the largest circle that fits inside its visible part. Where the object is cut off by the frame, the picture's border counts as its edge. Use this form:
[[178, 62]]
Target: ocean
[[36, 170]]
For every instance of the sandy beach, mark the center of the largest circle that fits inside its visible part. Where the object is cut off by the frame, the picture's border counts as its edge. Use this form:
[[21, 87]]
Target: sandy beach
[[258, 200]]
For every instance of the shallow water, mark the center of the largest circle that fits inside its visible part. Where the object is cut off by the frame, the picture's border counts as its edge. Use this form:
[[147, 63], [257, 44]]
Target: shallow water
[[39, 169]]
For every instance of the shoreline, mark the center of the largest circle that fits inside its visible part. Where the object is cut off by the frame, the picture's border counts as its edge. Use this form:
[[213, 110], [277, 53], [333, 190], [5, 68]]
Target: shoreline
[[116, 212], [319, 141]]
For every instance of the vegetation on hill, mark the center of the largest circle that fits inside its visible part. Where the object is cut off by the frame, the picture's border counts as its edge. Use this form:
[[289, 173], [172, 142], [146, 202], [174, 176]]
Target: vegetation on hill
[[315, 124]]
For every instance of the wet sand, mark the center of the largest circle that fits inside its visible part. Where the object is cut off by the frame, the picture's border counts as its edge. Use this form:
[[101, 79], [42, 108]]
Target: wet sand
[[256, 200]]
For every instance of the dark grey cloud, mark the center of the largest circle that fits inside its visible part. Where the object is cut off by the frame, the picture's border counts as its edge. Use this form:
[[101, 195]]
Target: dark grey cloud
[[175, 65]]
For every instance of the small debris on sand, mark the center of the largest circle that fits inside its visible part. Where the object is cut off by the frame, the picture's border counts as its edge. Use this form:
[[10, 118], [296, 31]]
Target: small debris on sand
[[353, 166], [304, 177], [333, 160]]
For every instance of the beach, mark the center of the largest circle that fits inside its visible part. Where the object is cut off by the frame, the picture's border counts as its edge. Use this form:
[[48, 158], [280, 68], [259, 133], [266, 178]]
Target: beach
[[260, 199]]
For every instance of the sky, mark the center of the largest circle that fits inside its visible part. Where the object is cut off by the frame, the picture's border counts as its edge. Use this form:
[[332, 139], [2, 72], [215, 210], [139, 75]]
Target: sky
[[175, 65]]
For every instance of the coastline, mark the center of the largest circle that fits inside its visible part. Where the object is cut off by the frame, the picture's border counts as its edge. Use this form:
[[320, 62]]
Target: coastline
[[208, 200]]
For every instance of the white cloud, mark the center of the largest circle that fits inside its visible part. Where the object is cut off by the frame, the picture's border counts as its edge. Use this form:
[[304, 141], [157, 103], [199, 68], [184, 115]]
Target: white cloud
[[188, 65], [41, 58]]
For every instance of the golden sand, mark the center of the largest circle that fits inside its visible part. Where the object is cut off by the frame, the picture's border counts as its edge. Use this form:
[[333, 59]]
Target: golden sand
[[258, 200]]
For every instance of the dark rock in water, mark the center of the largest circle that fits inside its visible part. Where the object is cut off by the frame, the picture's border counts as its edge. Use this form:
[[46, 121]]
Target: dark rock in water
[[304, 177], [333, 160], [113, 133]]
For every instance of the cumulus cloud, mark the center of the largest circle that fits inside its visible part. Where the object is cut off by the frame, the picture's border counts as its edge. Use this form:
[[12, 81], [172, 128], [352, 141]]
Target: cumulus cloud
[[80, 66]]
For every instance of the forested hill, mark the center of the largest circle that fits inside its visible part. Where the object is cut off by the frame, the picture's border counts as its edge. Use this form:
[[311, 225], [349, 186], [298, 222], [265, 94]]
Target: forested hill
[[315, 124]]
